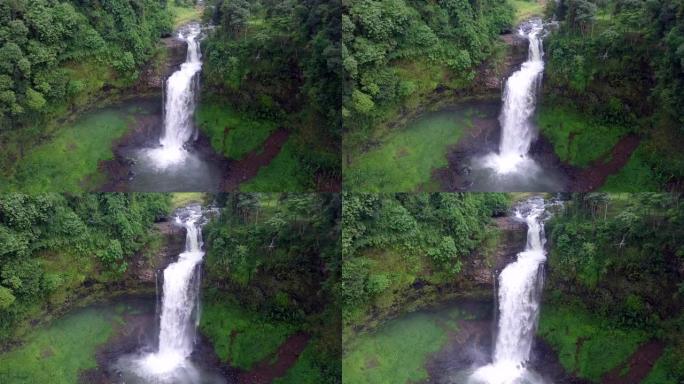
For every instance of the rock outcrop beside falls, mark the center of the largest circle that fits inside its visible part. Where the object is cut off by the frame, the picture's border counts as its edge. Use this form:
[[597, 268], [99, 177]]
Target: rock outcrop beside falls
[[156, 72], [143, 269], [482, 269], [492, 74]]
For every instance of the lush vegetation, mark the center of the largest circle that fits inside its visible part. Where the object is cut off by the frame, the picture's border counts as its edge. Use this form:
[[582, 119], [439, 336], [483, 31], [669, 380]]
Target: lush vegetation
[[390, 242], [396, 52], [619, 64], [277, 257], [278, 62], [613, 275], [59, 56], [52, 245]]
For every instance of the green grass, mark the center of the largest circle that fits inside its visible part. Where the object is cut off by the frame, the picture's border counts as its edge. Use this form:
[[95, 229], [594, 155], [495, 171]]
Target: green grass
[[232, 134], [284, 173], [69, 161], [183, 15], [183, 199], [526, 9], [406, 158], [586, 345], [396, 353], [240, 337], [57, 353], [577, 140], [304, 371], [635, 176]]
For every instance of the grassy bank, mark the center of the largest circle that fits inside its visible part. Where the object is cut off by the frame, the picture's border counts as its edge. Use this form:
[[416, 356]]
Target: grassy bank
[[405, 159], [580, 338], [241, 338], [56, 354], [283, 173], [577, 139], [183, 14], [383, 357], [231, 133], [526, 9], [635, 176], [69, 161]]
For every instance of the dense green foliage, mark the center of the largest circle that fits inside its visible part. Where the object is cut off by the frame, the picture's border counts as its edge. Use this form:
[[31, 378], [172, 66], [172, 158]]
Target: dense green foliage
[[280, 61], [45, 43], [618, 257], [391, 241], [621, 63], [52, 244], [395, 52], [278, 256]]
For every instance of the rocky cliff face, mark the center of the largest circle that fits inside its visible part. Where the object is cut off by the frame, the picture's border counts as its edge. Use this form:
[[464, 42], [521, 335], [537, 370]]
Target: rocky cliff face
[[167, 61], [482, 269], [146, 264], [491, 76]]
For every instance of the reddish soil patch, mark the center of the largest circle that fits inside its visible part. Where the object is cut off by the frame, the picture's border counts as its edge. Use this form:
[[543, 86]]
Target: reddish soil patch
[[286, 356], [639, 365], [596, 174], [248, 167]]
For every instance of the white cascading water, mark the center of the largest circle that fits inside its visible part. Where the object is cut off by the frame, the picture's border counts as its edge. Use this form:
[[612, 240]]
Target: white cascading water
[[519, 102], [520, 285], [179, 313], [179, 106]]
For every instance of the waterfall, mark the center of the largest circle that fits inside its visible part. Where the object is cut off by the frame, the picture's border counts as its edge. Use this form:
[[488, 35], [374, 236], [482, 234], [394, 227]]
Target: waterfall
[[179, 106], [520, 285], [519, 102], [179, 308]]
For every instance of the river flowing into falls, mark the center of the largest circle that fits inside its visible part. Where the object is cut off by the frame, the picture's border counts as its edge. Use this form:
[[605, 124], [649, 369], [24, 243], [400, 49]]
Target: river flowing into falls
[[520, 286], [170, 363]]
